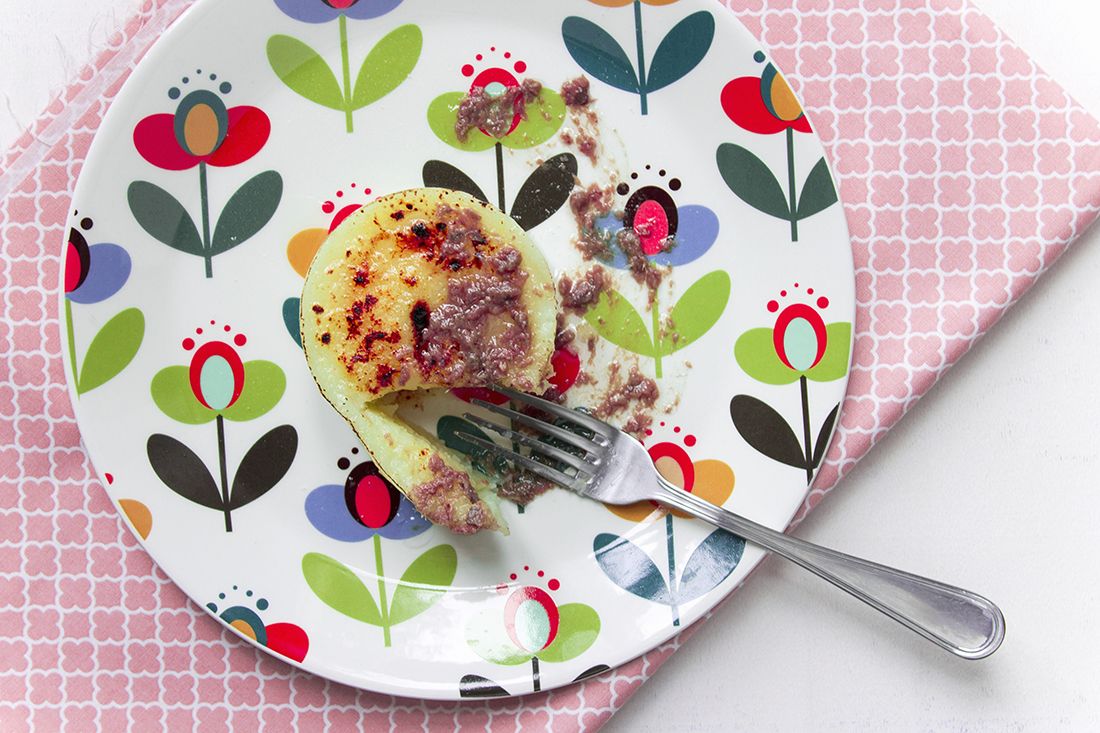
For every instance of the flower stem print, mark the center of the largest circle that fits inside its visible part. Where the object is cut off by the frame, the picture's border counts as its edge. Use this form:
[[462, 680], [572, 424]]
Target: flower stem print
[[533, 122], [218, 386], [798, 348], [598, 53], [660, 234], [528, 626], [696, 312], [766, 105], [368, 506], [92, 275], [630, 568], [305, 72], [203, 132]]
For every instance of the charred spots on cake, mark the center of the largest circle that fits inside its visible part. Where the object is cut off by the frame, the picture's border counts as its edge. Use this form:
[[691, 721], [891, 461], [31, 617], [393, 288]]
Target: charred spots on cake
[[397, 215], [326, 338], [385, 375], [452, 239], [421, 316], [318, 308], [361, 276]]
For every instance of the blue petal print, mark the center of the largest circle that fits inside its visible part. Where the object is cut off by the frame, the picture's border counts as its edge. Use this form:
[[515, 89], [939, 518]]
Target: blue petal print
[[696, 234], [108, 270], [711, 563], [630, 568], [406, 524], [328, 512]]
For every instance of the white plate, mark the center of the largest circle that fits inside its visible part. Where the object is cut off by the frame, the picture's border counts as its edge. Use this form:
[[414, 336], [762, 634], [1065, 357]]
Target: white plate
[[716, 146]]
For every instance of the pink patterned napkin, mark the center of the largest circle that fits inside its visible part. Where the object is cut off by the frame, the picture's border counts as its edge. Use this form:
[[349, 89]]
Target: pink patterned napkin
[[965, 172]]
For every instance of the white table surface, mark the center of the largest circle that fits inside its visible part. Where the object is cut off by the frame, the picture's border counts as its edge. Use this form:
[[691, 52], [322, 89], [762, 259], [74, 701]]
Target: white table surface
[[990, 483]]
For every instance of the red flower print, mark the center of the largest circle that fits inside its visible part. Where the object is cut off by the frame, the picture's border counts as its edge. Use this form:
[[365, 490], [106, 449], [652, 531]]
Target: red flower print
[[202, 130]]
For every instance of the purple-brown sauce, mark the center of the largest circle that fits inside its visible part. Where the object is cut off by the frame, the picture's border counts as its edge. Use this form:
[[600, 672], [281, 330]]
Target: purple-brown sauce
[[579, 295], [496, 115], [438, 500]]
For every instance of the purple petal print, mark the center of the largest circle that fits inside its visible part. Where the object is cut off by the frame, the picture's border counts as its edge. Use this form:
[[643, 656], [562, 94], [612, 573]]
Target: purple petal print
[[308, 11], [328, 513], [696, 234], [108, 271], [366, 9], [407, 523]]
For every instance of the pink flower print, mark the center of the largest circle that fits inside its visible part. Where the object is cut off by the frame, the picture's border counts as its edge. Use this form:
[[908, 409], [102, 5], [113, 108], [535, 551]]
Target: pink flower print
[[987, 158], [952, 125], [889, 255], [213, 720], [308, 692], [143, 658], [77, 656], [919, 158], [1020, 125], [847, 28], [851, 158], [921, 223], [108, 625], [534, 720], [75, 592], [178, 689], [1050, 94], [991, 288], [147, 718], [174, 626], [780, 30], [29, 370], [815, 61], [924, 287], [43, 624], [884, 59], [949, 59], [850, 93], [1023, 257], [990, 223], [884, 125], [281, 720], [1057, 224], [139, 595], [892, 383], [889, 319], [956, 256], [45, 689], [917, 93], [914, 28], [244, 690], [106, 562], [960, 320], [1054, 158], [210, 658], [1022, 190]]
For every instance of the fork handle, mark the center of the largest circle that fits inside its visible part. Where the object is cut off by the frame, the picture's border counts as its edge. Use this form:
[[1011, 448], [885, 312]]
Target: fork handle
[[961, 622]]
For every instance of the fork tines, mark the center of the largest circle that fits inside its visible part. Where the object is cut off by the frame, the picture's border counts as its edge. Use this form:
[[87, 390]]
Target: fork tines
[[570, 469]]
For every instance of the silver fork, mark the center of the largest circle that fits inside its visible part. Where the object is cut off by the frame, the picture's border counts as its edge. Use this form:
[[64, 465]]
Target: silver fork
[[609, 466]]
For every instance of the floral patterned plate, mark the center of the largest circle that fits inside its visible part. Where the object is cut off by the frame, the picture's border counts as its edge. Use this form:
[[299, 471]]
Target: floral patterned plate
[[256, 126]]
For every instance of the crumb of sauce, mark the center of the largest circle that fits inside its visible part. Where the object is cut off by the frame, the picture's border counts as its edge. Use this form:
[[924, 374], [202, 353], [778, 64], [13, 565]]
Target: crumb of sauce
[[496, 115], [637, 389], [436, 499], [578, 296]]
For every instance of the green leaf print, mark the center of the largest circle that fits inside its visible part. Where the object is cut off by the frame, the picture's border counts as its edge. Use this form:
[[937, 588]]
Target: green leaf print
[[834, 363], [616, 320], [752, 181], [442, 114], [818, 193], [388, 65], [698, 310], [248, 211], [685, 46], [545, 117], [304, 71], [599, 54], [755, 352], [423, 583], [171, 390], [163, 217], [340, 588], [264, 385], [112, 349], [578, 627]]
